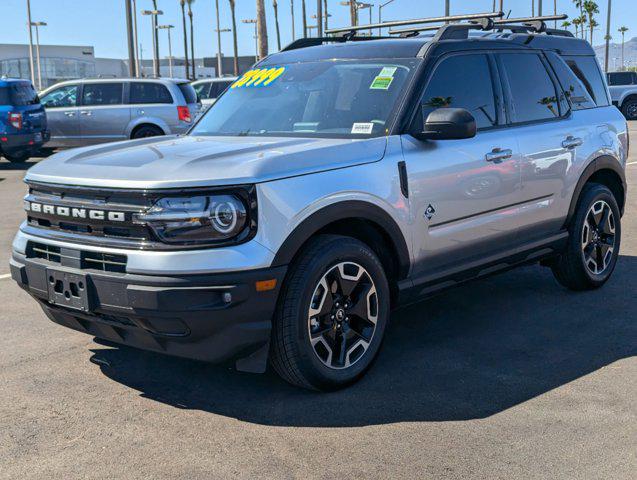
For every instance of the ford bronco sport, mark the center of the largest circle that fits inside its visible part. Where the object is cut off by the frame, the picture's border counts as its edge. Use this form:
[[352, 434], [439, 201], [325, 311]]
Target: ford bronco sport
[[334, 181]]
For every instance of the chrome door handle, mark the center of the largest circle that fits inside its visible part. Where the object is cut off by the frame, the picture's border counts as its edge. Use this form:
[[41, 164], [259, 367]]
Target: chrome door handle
[[498, 154], [69, 114], [86, 112], [572, 142]]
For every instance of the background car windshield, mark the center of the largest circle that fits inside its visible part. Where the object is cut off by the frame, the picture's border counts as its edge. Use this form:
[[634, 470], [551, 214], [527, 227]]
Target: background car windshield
[[348, 99]]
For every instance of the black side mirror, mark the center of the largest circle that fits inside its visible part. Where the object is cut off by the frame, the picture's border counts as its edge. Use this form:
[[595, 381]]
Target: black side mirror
[[448, 124]]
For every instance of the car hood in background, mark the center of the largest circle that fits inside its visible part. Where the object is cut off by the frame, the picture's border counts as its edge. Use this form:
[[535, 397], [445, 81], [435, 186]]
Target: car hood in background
[[202, 161]]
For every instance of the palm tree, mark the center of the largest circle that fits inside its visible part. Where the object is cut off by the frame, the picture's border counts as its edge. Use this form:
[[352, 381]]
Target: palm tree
[[262, 30], [304, 19], [591, 9], [566, 24], [325, 13], [192, 38], [580, 4], [234, 38], [576, 23], [623, 31], [353, 12], [276, 22], [182, 3]]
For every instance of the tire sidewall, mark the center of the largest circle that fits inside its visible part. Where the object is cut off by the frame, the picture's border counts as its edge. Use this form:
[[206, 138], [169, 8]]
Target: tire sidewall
[[338, 251], [139, 133], [592, 195], [626, 108]]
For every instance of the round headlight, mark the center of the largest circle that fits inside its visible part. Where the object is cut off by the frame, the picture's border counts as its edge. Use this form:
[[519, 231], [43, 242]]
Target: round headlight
[[224, 216]]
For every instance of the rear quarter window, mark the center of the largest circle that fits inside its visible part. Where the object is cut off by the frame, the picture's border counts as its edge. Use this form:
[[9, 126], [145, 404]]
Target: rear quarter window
[[588, 72], [573, 88], [188, 92], [148, 92], [19, 95]]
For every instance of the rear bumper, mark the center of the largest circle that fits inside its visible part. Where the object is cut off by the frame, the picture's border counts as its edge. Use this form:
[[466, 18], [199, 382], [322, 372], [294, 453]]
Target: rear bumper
[[29, 141], [214, 318]]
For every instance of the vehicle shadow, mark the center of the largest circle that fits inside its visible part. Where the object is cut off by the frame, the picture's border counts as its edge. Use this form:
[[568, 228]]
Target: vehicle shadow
[[6, 165], [468, 353]]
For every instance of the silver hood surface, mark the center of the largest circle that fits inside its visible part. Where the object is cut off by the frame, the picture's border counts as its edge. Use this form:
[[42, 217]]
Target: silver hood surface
[[202, 161]]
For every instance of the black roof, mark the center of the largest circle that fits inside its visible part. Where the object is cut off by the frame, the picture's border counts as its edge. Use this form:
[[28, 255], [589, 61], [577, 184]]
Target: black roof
[[417, 46]]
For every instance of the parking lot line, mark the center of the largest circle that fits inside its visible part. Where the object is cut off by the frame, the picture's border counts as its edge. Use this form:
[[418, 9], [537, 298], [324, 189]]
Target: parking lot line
[[631, 163], [6, 275]]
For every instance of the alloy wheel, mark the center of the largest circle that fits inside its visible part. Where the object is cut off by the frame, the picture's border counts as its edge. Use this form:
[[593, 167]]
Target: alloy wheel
[[343, 314], [598, 237]]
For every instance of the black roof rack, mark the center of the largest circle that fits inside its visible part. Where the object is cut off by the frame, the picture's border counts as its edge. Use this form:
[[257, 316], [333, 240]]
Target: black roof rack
[[315, 41], [352, 29], [515, 25]]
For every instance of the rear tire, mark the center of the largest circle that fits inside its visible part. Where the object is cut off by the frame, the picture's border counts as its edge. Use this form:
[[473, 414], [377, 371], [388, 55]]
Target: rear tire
[[331, 316], [147, 131], [629, 109], [594, 241], [19, 156]]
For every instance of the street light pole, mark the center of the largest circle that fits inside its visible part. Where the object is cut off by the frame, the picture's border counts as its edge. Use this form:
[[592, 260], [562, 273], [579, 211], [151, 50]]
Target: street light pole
[[319, 18], [138, 68], [292, 17], [256, 43], [380, 15], [219, 67], [153, 17], [37, 50], [132, 62], [170, 48], [30, 41], [607, 46]]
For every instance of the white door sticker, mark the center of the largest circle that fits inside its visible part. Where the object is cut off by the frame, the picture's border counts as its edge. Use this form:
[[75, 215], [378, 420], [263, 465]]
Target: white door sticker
[[362, 128]]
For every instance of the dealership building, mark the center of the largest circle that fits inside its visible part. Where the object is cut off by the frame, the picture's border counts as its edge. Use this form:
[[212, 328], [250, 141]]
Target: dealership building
[[62, 62]]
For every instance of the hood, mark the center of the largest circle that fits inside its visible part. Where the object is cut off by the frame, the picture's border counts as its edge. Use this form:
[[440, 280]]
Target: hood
[[191, 161]]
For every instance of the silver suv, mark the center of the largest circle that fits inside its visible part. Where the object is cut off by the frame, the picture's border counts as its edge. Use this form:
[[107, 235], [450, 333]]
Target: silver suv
[[336, 180], [85, 112]]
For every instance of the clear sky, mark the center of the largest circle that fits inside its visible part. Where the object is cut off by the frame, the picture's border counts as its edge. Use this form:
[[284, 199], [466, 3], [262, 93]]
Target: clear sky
[[101, 23]]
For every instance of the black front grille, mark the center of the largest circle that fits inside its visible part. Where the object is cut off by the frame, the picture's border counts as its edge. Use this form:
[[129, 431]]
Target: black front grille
[[69, 257]]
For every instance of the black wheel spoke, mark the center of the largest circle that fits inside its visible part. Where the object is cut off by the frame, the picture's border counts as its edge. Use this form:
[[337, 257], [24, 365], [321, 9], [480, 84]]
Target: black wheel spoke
[[603, 223]]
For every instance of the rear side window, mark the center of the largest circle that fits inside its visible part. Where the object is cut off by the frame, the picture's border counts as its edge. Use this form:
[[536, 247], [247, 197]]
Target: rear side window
[[588, 72], [533, 94], [189, 93], [574, 90], [22, 94], [621, 78], [463, 81], [148, 92], [102, 94], [4, 96]]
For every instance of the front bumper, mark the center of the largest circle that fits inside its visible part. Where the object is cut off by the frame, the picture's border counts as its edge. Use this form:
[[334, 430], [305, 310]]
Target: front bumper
[[30, 141], [214, 318]]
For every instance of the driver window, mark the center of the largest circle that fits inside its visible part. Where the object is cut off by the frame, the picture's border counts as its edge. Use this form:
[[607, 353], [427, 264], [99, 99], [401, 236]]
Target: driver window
[[463, 81], [62, 97]]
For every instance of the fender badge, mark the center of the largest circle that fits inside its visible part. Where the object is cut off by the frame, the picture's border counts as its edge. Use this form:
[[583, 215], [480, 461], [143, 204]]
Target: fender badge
[[430, 212]]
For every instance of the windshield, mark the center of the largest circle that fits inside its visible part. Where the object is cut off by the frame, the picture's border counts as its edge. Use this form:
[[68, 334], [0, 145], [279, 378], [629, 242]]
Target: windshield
[[341, 99]]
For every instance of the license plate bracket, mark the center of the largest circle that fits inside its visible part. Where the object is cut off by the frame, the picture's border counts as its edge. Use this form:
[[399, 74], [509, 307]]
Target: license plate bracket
[[68, 289]]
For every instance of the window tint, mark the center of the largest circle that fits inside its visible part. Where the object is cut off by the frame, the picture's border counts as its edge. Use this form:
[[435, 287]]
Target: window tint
[[148, 92], [65, 96], [533, 95], [587, 70], [621, 78], [21, 94], [203, 89], [574, 91], [189, 93], [102, 94], [463, 81]]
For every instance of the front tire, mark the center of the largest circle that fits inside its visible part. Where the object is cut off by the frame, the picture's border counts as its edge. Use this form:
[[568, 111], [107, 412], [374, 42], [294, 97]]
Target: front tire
[[331, 316], [629, 109], [594, 240]]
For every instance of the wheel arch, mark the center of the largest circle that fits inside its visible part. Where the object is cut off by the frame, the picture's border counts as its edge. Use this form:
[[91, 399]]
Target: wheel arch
[[607, 171], [358, 219], [142, 122], [627, 97]]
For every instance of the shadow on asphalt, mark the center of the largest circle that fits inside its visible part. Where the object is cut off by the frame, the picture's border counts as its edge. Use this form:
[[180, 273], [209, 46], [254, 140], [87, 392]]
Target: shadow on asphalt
[[6, 165], [468, 353]]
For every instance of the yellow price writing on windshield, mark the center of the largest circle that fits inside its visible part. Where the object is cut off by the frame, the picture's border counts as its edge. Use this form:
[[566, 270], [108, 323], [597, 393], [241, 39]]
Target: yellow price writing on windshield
[[259, 77]]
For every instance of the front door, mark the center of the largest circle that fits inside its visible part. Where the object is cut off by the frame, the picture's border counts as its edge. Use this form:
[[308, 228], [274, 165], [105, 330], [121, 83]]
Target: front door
[[103, 115], [463, 193], [62, 116]]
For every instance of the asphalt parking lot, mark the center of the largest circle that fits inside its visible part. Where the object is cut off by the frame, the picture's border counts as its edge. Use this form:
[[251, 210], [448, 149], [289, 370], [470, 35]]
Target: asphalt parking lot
[[507, 377]]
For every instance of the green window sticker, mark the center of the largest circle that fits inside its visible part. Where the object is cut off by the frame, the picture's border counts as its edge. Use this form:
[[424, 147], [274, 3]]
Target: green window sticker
[[381, 83]]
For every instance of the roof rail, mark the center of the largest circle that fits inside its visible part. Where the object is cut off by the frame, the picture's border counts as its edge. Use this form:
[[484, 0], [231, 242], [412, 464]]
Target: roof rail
[[517, 25], [416, 21], [315, 41]]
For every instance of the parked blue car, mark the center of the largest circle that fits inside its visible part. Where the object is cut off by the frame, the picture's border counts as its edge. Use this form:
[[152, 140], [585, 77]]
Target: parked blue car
[[23, 127]]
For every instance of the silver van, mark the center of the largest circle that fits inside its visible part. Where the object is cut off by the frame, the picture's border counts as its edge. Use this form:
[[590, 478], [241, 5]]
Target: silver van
[[86, 112]]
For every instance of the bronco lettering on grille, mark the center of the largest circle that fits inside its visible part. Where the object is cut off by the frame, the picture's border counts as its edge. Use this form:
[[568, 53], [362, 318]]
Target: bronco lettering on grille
[[74, 212]]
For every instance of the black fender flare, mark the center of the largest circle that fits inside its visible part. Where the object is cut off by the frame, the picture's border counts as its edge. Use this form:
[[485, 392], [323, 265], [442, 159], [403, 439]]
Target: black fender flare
[[348, 209], [605, 162]]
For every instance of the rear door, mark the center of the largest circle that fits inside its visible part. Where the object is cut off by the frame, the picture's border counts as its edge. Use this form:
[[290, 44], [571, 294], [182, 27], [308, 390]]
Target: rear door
[[62, 115], [463, 193], [547, 138], [103, 115], [151, 102]]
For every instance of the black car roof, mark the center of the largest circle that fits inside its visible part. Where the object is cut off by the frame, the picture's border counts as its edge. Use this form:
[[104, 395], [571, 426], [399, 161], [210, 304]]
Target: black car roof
[[396, 47]]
